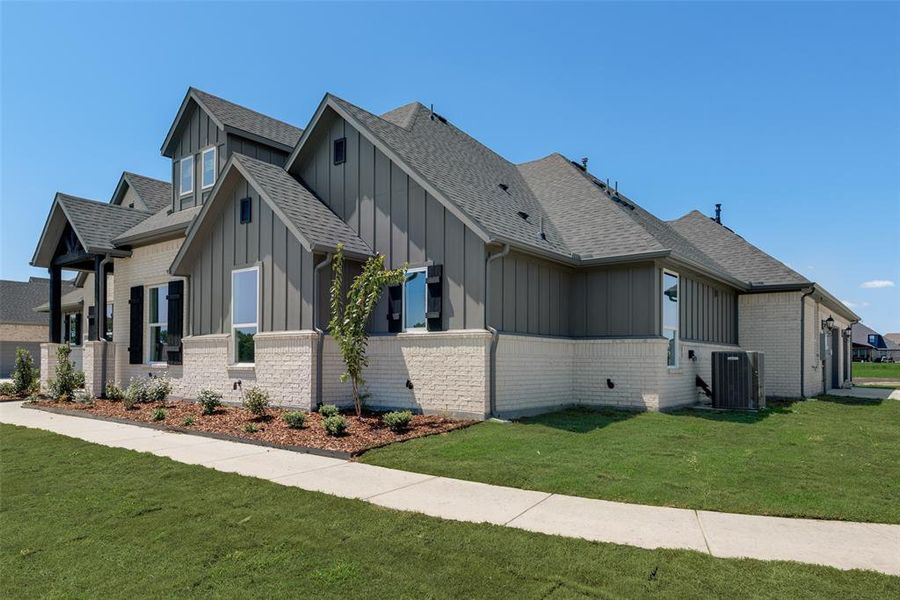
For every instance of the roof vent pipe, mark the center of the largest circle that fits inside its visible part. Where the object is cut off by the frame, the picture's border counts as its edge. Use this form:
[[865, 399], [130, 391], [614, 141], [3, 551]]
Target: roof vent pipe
[[543, 235], [719, 214], [584, 162]]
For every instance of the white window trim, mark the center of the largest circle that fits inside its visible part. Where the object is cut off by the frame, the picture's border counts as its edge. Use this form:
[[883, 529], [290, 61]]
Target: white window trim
[[151, 325], [238, 325], [183, 192], [203, 154], [678, 324], [423, 270]]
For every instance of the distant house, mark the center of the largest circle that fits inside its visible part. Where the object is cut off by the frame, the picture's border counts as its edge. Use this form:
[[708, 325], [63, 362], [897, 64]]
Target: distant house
[[893, 337], [869, 345], [529, 286], [20, 325]]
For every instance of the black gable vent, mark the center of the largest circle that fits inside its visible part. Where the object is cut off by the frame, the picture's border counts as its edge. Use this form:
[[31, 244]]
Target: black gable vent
[[523, 214], [503, 187]]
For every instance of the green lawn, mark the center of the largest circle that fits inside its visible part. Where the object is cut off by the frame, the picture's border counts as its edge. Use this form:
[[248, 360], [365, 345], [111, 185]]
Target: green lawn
[[890, 371], [831, 458], [79, 520]]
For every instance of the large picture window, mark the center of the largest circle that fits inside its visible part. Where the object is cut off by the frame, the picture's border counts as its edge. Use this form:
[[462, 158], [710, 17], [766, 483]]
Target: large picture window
[[208, 161], [157, 323], [670, 315], [186, 182], [244, 313], [414, 300]]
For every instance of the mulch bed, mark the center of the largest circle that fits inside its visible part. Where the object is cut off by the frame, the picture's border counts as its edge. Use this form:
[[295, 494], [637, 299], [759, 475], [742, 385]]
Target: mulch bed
[[362, 433]]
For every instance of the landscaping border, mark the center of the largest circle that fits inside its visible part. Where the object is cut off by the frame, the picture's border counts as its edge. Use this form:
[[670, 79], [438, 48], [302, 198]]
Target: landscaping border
[[207, 434]]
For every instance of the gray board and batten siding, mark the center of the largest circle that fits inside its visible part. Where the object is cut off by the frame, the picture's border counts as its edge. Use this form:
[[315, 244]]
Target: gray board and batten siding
[[199, 132], [397, 218], [708, 311], [286, 268]]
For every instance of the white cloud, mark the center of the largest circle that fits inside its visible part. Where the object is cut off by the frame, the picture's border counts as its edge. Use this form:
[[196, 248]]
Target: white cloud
[[855, 304], [878, 283]]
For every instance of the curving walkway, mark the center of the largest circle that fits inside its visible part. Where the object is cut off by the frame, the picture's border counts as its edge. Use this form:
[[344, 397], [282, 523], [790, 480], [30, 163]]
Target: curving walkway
[[840, 544]]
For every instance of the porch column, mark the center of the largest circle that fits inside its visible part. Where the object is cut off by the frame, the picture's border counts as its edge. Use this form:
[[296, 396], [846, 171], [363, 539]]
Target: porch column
[[55, 304], [99, 298]]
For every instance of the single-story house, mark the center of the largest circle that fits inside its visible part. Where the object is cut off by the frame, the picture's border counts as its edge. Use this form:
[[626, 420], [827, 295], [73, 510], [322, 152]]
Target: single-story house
[[20, 326], [869, 345], [529, 286]]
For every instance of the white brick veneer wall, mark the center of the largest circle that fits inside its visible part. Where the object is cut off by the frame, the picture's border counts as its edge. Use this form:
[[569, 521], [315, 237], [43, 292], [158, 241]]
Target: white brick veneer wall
[[815, 312], [448, 371], [770, 323], [93, 365]]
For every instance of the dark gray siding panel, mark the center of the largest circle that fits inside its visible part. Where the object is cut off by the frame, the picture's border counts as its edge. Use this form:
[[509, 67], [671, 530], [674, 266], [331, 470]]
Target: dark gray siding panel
[[532, 295], [198, 133], [224, 244], [397, 218], [708, 310]]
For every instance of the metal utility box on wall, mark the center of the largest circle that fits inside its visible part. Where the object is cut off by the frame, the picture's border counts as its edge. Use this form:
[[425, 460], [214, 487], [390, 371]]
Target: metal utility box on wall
[[738, 380]]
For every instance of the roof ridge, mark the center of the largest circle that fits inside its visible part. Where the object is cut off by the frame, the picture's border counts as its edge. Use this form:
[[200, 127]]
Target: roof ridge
[[133, 174], [99, 203], [241, 106]]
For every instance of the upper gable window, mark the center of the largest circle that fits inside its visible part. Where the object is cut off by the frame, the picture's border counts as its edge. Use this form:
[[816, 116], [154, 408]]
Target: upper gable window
[[340, 151], [209, 167], [187, 175]]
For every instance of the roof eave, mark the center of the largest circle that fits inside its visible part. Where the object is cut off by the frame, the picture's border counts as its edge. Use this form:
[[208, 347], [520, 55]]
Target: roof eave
[[165, 149], [157, 235]]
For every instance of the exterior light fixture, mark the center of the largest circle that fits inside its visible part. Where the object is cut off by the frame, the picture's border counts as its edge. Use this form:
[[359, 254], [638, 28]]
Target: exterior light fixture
[[828, 323]]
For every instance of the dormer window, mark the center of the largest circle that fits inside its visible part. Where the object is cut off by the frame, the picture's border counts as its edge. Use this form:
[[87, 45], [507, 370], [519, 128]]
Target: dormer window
[[208, 160], [187, 176]]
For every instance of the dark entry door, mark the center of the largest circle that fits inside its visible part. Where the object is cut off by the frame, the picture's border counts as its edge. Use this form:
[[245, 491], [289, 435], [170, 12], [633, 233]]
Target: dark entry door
[[835, 358]]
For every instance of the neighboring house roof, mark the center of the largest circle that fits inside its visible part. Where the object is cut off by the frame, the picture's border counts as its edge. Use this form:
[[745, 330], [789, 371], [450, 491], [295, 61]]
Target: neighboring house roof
[[237, 118], [861, 335], [893, 337], [461, 172], [68, 301], [18, 299], [313, 223], [741, 258], [156, 194], [158, 226], [96, 223]]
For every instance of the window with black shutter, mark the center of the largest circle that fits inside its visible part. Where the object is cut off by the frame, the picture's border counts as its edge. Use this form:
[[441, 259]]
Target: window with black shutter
[[175, 298], [395, 308], [136, 326], [434, 287], [92, 322]]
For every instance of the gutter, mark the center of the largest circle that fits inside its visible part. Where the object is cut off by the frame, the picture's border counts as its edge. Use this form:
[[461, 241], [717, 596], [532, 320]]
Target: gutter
[[495, 335], [803, 336], [320, 335]]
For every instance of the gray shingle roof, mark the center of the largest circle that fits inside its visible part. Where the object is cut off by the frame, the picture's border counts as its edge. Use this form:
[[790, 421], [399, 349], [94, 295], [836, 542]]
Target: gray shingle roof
[[315, 221], [245, 119], [98, 223], [156, 194], [18, 299], [468, 174], [160, 223], [738, 256]]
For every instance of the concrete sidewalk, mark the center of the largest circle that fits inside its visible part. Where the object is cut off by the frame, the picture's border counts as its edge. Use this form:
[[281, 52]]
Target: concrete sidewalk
[[838, 544], [867, 393]]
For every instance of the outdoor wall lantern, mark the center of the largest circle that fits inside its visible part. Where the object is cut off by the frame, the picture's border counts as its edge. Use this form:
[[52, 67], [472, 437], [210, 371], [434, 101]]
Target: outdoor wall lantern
[[828, 323]]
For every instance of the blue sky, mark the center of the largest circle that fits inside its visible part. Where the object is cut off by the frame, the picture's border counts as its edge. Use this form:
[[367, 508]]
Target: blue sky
[[788, 114]]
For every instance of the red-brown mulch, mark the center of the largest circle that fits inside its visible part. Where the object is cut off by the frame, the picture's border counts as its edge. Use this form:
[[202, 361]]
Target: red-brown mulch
[[362, 433]]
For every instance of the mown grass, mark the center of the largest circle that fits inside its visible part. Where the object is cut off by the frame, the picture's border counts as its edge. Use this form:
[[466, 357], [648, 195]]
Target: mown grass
[[834, 458], [889, 371], [79, 520]]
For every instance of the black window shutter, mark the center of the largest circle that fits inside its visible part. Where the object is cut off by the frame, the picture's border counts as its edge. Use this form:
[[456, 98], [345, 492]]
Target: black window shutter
[[67, 329], [77, 329], [136, 326], [92, 322], [434, 287], [395, 308], [175, 326]]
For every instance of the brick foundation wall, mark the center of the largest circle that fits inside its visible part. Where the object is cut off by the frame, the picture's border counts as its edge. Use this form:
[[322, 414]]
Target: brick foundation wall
[[448, 372], [92, 365], [534, 374]]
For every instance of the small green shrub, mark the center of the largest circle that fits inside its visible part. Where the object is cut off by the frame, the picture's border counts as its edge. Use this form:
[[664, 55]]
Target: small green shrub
[[158, 388], [335, 425], [25, 376], [256, 400], [114, 393], [135, 393], [294, 419], [209, 400], [159, 414], [188, 421], [328, 410], [397, 420], [67, 379], [250, 428], [7, 388]]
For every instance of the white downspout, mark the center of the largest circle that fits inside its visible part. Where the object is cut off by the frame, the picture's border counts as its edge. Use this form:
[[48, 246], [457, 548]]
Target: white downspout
[[495, 335]]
